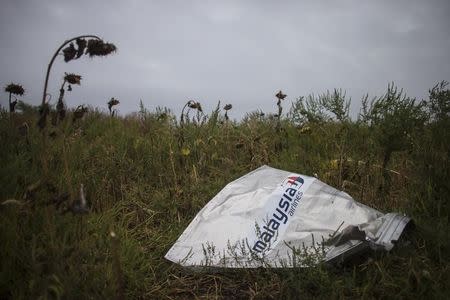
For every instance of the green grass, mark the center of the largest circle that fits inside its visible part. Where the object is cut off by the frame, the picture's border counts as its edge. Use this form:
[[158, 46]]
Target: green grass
[[142, 184]]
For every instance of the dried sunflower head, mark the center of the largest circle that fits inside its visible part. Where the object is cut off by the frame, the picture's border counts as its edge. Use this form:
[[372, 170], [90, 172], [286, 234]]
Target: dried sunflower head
[[280, 95], [192, 104], [69, 52], [112, 102], [15, 89], [99, 48], [228, 107], [82, 44], [72, 78]]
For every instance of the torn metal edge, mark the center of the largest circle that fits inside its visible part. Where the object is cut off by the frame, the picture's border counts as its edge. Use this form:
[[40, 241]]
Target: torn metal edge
[[390, 231], [386, 237]]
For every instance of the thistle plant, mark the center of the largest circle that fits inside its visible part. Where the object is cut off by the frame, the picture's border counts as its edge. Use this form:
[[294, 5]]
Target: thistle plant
[[13, 89], [90, 45], [112, 103]]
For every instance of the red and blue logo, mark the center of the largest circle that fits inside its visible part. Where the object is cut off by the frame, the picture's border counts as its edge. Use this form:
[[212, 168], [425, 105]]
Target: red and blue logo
[[295, 180]]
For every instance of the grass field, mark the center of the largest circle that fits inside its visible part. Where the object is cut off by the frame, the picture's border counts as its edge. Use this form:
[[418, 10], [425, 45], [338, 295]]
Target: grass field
[[146, 175]]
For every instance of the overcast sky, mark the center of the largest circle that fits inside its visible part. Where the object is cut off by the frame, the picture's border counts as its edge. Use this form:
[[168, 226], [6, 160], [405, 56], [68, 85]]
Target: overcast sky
[[239, 52]]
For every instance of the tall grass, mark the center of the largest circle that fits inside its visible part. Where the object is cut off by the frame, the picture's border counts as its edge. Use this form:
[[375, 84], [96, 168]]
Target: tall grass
[[145, 186]]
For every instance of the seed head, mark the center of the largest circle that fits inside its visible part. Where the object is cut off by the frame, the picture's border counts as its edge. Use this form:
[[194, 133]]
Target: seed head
[[69, 52], [82, 44], [99, 48], [192, 104], [15, 89], [280, 95], [112, 102], [72, 78]]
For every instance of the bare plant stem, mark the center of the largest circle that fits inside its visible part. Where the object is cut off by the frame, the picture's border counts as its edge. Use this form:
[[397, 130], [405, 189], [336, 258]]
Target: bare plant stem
[[182, 114], [10, 112], [280, 110]]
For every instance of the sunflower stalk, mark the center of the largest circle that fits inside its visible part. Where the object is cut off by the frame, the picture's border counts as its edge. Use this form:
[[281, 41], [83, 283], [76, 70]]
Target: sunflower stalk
[[95, 46], [280, 96], [71, 79]]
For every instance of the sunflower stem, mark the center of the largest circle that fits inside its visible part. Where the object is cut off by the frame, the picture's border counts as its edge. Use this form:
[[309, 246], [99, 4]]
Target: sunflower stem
[[54, 57], [10, 112]]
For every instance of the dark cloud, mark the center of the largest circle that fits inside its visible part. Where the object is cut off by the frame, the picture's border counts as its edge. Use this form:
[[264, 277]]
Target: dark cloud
[[240, 52]]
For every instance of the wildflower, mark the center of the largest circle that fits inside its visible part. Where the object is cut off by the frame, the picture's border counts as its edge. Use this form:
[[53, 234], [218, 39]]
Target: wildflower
[[334, 164], [185, 151], [305, 129]]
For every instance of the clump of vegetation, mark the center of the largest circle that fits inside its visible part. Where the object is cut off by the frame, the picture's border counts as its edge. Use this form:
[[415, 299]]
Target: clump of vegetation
[[140, 186], [394, 118]]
